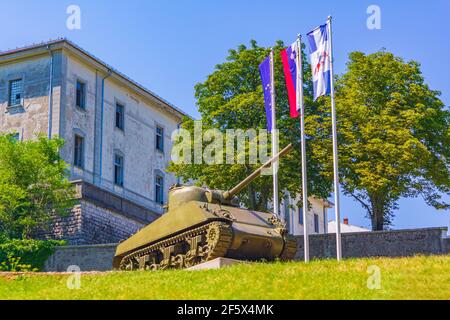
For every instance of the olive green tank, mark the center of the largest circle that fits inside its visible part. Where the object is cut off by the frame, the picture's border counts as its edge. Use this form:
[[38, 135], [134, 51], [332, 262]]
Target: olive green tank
[[202, 225]]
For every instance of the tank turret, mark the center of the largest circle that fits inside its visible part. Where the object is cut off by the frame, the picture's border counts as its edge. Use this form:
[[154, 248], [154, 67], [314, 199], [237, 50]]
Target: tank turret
[[203, 224]]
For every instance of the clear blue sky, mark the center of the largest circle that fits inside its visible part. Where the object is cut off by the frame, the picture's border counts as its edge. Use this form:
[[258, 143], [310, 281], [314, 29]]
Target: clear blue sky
[[169, 46]]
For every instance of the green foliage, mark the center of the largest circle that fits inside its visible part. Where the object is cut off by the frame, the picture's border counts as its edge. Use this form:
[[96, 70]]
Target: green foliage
[[33, 185], [232, 98], [26, 255], [394, 136], [12, 264]]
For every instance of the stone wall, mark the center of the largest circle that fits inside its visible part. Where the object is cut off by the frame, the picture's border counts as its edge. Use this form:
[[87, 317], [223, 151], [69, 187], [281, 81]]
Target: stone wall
[[91, 224], [105, 226], [447, 245], [99, 217], [87, 258], [379, 243], [370, 244]]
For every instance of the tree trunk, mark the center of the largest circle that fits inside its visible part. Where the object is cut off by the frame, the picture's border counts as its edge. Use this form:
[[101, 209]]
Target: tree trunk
[[377, 221], [263, 198], [377, 213], [252, 198]]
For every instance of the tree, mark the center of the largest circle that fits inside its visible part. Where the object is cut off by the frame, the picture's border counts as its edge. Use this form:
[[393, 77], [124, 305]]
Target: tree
[[33, 185], [232, 98], [394, 136]]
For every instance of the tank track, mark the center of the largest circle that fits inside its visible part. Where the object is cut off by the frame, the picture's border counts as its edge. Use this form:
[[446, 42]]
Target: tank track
[[184, 250], [290, 248]]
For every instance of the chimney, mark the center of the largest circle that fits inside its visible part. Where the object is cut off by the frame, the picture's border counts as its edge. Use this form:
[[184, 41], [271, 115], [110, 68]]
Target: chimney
[[346, 221]]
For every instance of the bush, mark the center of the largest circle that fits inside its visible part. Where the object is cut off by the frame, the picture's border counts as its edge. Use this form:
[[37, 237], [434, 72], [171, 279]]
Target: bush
[[26, 255], [13, 264], [34, 185]]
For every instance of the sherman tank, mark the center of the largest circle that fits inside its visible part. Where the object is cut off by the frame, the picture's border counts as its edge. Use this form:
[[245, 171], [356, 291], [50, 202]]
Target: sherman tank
[[202, 225]]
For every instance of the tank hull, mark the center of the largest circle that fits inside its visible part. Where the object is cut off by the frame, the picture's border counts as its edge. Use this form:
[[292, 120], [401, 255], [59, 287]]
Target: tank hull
[[198, 232]]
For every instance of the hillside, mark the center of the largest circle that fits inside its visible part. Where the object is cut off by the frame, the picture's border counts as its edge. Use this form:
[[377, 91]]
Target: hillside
[[401, 278]]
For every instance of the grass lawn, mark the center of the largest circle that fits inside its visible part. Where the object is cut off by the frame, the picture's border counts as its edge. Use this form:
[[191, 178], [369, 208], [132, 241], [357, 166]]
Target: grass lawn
[[401, 278]]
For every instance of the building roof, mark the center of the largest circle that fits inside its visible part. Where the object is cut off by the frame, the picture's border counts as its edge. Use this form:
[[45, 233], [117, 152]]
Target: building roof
[[345, 228], [18, 53]]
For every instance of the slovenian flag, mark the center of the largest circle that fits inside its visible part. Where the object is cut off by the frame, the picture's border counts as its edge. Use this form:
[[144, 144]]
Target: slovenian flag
[[320, 50], [264, 71], [289, 59]]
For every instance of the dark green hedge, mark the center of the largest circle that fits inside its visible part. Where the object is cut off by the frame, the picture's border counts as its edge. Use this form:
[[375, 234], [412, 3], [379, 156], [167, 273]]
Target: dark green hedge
[[26, 255]]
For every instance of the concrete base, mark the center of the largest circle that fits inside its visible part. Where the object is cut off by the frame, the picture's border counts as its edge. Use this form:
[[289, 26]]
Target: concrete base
[[216, 264]]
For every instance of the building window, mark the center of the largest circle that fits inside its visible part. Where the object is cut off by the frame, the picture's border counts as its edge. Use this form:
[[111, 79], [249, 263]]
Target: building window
[[118, 170], [300, 215], [78, 152], [15, 92], [120, 116], [316, 223], [159, 138], [81, 95], [159, 189]]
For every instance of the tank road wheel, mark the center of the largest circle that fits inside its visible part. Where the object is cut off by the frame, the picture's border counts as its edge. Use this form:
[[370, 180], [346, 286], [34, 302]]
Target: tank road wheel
[[189, 260], [290, 248], [203, 253], [178, 261], [153, 267], [129, 264]]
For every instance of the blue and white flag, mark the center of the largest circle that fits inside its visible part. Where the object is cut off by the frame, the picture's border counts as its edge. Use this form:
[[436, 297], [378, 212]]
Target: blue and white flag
[[320, 53], [264, 71]]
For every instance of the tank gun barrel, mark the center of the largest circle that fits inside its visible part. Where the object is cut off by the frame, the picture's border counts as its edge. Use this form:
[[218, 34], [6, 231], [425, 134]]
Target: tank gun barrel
[[244, 183]]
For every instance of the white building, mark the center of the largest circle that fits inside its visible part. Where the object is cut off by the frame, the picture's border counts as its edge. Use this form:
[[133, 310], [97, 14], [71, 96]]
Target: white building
[[317, 215], [346, 227], [117, 133]]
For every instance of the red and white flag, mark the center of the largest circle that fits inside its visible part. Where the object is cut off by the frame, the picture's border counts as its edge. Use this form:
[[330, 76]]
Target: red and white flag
[[289, 59]]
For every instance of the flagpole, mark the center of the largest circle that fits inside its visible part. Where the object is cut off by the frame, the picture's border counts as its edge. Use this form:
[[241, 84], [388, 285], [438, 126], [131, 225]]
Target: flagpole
[[335, 151], [276, 206], [301, 109]]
